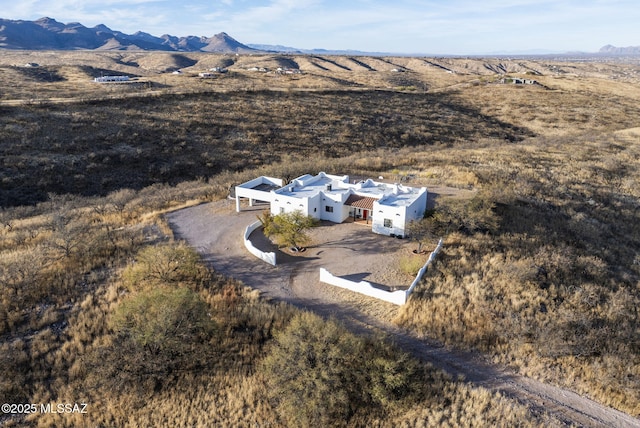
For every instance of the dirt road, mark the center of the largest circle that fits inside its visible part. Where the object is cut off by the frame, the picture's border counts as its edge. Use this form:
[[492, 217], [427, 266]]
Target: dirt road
[[215, 230]]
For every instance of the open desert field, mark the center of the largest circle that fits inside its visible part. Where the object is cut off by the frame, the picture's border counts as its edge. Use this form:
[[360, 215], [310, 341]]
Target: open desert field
[[539, 275]]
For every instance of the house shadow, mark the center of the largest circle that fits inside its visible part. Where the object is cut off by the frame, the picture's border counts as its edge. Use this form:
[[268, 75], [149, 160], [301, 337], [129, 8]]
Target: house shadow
[[432, 198], [264, 244], [356, 277], [362, 276], [286, 258]]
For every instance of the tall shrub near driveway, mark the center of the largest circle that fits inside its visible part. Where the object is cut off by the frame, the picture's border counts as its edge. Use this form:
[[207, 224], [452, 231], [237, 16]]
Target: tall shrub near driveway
[[288, 229]]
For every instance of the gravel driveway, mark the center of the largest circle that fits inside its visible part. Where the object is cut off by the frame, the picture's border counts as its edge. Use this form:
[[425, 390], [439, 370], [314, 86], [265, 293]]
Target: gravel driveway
[[349, 250]]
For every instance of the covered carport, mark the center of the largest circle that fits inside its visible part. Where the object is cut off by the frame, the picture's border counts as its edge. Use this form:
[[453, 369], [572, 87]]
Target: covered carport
[[258, 189]]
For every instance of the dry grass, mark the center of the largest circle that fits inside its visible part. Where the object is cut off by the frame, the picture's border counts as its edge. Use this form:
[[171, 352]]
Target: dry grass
[[552, 289]]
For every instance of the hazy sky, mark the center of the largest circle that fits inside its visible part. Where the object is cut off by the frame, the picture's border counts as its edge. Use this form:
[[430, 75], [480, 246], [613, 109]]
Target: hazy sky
[[401, 26]]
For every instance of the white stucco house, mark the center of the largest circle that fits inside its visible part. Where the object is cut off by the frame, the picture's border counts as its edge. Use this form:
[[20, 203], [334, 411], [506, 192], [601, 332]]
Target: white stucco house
[[388, 208]]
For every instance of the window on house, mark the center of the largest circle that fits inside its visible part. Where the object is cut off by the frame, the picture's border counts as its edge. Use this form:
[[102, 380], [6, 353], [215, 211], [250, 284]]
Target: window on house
[[388, 222], [328, 209], [281, 210]]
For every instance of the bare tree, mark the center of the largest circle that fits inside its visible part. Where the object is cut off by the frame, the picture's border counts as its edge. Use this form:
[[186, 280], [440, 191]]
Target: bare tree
[[420, 231], [6, 220], [120, 198]]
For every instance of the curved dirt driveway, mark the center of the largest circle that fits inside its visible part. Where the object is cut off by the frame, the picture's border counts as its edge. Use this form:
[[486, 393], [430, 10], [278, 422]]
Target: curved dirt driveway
[[215, 230]]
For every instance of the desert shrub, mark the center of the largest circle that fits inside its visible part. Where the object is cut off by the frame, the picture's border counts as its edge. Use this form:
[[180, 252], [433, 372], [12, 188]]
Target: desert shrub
[[167, 264], [318, 373], [162, 318], [158, 332], [466, 216], [310, 372]]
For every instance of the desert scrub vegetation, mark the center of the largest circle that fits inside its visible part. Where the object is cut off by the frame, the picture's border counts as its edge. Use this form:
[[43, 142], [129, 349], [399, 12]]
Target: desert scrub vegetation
[[157, 338], [486, 290], [540, 267], [596, 105], [97, 147], [319, 373], [550, 288], [146, 335]]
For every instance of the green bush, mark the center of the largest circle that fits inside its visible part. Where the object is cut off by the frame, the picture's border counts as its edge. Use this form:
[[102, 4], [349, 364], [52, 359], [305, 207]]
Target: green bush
[[320, 374], [163, 319], [175, 264], [158, 333], [288, 229]]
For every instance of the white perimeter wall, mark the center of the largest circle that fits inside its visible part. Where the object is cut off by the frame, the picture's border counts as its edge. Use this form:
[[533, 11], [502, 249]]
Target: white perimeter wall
[[363, 287], [267, 257], [423, 269]]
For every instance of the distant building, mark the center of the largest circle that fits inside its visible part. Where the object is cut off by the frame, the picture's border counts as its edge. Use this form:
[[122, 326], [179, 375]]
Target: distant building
[[518, 81], [110, 79], [285, 70]]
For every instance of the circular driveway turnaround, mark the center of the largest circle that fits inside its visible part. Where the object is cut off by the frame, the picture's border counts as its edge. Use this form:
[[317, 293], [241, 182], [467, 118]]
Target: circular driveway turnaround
[[350, 250], [215, 230]]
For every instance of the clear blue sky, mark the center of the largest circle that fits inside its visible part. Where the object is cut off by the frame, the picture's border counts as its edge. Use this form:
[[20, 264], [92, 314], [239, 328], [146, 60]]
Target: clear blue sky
[[403, 26]]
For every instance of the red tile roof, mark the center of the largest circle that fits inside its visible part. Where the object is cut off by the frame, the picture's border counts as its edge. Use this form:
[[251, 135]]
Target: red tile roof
[[360, 202]]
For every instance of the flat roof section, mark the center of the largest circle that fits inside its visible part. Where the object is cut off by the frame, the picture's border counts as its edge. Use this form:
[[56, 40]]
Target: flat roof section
[[308, 190], [265, 187], [400, 199]]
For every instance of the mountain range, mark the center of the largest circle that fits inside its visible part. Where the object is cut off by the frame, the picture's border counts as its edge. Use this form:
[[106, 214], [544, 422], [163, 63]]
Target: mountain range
[[613, 50], [49, 34]]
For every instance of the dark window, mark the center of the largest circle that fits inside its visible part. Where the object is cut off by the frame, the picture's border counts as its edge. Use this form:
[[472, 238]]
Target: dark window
[[388, 222], [328, 209]]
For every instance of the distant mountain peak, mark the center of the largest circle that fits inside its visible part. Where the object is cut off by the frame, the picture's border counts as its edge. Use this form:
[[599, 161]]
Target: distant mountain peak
[[45, 20], [102, 27]]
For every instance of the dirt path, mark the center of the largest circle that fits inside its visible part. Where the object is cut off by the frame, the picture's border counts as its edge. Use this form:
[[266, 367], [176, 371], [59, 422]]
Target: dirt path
[[215, 230]]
